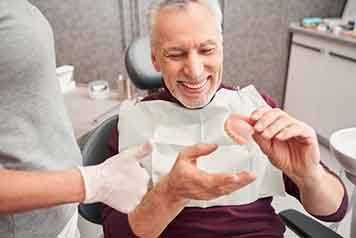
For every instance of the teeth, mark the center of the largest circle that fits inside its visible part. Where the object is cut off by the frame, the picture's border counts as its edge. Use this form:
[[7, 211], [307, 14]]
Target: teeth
[[195, 86]]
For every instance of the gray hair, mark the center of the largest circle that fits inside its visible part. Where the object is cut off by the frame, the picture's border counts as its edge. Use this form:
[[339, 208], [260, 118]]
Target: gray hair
[[158, 5]]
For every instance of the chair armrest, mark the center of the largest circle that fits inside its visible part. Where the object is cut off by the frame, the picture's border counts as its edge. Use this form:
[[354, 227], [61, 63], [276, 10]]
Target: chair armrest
[[91, 212], [305, 226]]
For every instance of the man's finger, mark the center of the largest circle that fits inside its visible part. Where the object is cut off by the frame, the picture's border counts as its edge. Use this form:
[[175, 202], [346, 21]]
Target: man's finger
[[268, 118], [277, 126], [228, 179], [294, 130], [227, 183], [195, 151], [258, 113], [242, 178]]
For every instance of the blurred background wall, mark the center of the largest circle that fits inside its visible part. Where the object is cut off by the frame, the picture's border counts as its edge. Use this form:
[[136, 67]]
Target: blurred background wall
[[93, 36]]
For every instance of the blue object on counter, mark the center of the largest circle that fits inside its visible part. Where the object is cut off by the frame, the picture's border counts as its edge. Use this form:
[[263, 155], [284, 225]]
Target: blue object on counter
[[312, 21]]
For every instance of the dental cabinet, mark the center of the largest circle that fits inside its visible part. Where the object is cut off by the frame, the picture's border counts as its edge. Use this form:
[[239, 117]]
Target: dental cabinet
[[321, 80]]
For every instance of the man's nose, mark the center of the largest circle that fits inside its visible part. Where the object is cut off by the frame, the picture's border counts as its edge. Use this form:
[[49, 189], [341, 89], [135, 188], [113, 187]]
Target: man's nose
[[194, 66]]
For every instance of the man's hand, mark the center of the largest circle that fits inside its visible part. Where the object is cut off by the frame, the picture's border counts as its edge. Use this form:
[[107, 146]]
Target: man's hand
[[291, 145], [185, 181], [120, 181]]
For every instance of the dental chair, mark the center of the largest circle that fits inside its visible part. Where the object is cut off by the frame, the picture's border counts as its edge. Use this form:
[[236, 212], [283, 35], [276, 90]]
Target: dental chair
[[139, 67]]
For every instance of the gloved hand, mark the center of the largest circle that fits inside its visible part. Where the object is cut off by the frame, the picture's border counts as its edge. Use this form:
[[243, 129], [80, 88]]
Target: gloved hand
[[119, 182]]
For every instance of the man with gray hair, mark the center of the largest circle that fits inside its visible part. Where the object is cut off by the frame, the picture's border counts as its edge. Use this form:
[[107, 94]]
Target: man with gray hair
[[186, 199]]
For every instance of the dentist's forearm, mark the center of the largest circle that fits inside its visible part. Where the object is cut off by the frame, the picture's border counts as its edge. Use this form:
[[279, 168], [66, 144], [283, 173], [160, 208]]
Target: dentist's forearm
[[155, 212], [321, 194], [22, 191]]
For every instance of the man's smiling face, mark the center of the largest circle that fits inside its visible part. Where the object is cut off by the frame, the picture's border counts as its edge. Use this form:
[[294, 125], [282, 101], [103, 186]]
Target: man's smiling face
[[187, 49]]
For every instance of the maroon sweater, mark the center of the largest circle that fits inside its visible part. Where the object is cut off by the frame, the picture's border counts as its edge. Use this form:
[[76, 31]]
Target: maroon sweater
[[257, 219]]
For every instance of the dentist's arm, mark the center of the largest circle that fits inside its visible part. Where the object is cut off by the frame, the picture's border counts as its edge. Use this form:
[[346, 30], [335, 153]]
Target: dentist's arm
[[110, 182], [22, 191], [184, 182]]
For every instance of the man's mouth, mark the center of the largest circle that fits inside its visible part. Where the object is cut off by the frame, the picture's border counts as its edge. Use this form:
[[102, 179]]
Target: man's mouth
[[195, 86]]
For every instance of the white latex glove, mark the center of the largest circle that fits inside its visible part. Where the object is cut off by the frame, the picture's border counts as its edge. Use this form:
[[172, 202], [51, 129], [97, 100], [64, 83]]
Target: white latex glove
[[119, 182]]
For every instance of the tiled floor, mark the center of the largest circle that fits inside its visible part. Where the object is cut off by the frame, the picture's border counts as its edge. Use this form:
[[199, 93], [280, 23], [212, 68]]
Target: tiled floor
[[89, 230]]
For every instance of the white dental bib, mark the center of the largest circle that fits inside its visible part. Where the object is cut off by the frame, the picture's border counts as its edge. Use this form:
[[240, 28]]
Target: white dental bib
[[171, 127]]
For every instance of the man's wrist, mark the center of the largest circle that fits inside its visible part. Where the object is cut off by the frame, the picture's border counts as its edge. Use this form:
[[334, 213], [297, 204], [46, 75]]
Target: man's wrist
[[310, 179], [160, 196]]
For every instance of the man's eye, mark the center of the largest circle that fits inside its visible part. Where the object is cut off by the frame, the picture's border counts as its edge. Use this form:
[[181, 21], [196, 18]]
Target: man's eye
[[175, 56], [208, 51]]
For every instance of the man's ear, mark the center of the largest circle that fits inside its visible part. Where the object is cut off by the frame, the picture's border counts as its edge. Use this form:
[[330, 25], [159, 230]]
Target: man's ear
[[155, 61]]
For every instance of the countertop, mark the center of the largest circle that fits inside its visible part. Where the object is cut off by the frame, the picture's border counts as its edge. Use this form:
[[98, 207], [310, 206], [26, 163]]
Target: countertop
[[296, 28]]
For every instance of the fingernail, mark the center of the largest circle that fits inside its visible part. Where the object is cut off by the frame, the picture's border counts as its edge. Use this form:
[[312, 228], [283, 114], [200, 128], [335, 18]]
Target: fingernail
[[252, 175], [236, 178]]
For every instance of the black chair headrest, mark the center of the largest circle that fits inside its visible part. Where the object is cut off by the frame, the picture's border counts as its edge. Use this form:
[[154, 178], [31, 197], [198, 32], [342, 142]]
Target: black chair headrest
[[139, 66]]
